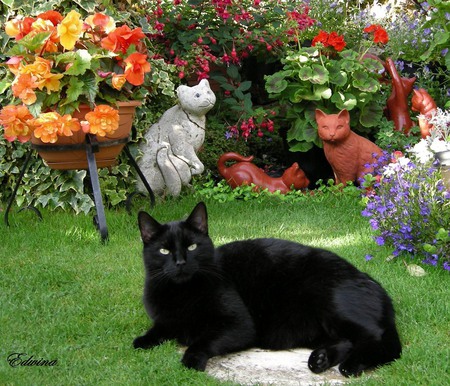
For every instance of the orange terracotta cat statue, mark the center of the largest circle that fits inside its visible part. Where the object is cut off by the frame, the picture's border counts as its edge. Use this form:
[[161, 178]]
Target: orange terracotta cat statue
[[348, 153], [423, 103], [244, 172]]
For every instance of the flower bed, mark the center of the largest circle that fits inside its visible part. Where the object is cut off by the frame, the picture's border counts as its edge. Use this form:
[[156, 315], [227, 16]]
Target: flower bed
[[409, 205]]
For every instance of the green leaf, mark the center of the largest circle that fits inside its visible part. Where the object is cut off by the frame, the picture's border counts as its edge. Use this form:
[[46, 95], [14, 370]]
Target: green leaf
[[322, 92], [371, 115], [34, 42], [442, 235], [429, 248], [90, 86], [81, 61], [233, 72], [301, 131], [363, 82], [320, 74], [74, 90], [301, 146], [4, 85], [244, 86], [276, 83], [305, 73], [344, 100]]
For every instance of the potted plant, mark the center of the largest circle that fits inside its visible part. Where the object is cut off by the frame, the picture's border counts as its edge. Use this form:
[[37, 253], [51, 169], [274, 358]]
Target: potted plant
[[69, 77], [329, 77]]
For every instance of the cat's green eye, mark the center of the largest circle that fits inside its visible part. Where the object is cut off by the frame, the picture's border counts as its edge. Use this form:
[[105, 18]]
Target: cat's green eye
[[192, 247], [164, 251]]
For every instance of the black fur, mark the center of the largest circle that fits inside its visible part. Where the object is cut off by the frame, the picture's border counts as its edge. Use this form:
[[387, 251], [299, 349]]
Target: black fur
[[267, 293]]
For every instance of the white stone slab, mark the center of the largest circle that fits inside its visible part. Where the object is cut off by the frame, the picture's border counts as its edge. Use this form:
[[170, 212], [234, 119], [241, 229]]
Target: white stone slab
[[277, 368]]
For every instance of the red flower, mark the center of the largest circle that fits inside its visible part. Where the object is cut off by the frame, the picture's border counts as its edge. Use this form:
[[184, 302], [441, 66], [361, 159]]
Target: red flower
[[336, 41], [379, 33], [330, 40], [321, 37], [122, 38], [53, 16]]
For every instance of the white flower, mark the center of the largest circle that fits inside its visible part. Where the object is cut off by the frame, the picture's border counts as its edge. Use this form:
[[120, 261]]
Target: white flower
[[422, 151], [395, 167], [438, 145]]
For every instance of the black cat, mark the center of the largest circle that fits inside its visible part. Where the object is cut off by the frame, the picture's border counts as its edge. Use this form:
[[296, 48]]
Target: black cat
[[267, 293]]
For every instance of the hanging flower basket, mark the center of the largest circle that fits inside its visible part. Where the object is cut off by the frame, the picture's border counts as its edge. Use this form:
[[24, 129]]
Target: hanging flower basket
[[70, 152]]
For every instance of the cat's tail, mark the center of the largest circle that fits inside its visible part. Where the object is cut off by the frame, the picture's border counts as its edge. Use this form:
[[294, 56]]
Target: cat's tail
[[224, 158]]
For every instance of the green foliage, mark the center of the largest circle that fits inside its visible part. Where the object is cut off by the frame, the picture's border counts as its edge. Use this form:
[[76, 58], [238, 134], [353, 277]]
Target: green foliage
[[389, 139], [222, 192], [438, 20], [310, 80]]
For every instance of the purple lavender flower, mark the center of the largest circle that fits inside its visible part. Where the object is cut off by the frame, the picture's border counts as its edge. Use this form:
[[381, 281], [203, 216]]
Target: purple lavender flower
[[379, 240], [368, 257], [408, 207]]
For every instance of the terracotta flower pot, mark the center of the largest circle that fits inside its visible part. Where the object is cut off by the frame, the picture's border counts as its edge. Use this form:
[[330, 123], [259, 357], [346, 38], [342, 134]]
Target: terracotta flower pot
[[70, 152]]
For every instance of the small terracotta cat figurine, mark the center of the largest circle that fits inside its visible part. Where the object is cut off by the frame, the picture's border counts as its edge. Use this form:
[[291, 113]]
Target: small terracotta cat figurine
[[347, 152], [423, 103], [243, 172]]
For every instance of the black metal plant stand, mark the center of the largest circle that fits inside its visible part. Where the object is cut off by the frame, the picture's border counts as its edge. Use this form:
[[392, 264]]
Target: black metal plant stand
[[91, 146]]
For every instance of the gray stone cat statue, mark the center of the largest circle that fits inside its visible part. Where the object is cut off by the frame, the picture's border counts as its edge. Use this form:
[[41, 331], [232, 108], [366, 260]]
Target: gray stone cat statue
[[169, 150]]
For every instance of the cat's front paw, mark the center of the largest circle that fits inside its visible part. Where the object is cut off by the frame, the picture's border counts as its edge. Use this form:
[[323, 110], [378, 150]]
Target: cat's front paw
[[195, 360], [142, 342], [318, 361], [351, 368]]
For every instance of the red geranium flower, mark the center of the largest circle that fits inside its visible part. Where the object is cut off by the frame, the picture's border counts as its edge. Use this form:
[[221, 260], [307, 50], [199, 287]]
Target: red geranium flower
[[330, 40], [379, 33]]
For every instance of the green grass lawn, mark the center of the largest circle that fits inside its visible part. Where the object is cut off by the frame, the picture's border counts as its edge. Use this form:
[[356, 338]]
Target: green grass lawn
[[66, 296]]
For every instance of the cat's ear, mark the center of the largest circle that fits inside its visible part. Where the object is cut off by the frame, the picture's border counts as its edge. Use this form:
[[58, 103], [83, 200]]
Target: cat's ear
[[344, 114], [147, 225], [320, 114], [199, 218]]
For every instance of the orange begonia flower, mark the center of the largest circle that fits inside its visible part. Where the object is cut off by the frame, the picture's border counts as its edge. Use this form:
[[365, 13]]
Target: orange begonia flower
[[14, 64], [103, 120], [40, 69], [118, 80], [121, 38], [54, 16], [105, 22], [48, 126], [23, 88], [16, 121], [136, 67], [70, 29], [68, 126], [18, 28], [41, 25]]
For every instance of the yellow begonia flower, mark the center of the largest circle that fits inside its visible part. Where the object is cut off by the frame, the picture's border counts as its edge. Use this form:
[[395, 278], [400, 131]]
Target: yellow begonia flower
[[51, 82], [70, 29], [12, 28], [118, 80]]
